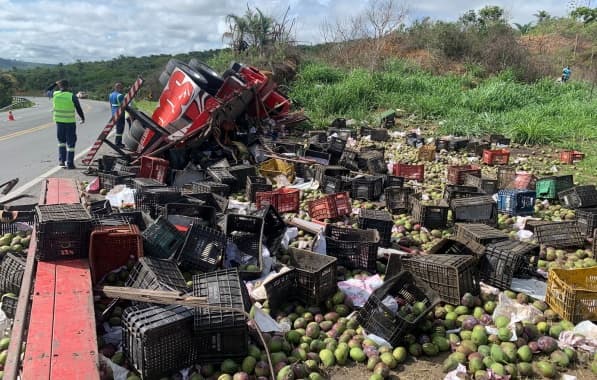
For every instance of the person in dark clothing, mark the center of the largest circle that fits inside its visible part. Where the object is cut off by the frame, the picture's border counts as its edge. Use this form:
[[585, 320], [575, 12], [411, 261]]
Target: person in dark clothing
[[116, 98], [65, 104]]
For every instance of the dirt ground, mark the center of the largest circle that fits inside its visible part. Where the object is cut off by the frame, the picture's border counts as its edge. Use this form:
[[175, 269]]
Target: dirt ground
[[427, 369]]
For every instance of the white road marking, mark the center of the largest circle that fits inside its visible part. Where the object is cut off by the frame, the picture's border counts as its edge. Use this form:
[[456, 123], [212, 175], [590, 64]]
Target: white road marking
[[39, 178]]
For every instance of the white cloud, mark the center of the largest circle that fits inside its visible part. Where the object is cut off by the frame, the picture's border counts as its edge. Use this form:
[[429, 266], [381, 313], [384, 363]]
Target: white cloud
[[52, 31]]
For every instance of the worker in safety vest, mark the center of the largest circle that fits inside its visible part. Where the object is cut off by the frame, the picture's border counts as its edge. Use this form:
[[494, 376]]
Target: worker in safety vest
[[116, 98], [65, 104]]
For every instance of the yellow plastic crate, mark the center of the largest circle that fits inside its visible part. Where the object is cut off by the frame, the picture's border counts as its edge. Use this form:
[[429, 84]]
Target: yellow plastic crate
[[426, 153], [573, 293], [275, 167]]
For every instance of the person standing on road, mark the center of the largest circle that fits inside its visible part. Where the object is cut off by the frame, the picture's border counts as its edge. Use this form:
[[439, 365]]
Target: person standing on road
[[65, 104], [116, 98]]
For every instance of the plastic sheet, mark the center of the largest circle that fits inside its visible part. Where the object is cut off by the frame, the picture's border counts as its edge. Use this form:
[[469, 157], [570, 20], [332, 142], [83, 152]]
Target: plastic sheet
[[121, 196], [358, 291]]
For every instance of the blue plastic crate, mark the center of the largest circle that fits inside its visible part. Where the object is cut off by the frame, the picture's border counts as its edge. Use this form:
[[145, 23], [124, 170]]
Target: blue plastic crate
[[516, 202]]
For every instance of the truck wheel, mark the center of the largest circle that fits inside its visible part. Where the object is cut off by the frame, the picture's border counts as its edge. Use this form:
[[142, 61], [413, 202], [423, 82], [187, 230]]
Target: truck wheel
[[164, 77], [214, 80], [171, 65], [137, 129], [130, 143]]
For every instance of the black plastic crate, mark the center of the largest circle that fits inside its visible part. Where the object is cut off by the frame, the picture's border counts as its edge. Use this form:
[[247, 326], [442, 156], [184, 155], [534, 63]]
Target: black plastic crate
[[221, 334], [487, 185], [368, 158], [481, 233], [458, 143], [322, 171], [14, 221], [367, 187], [274, 227], [315, 275], [433, 215], [9, 305], [559, 234], [377, 319], [185, 214], [254, 185], [478, 209], [161, 239], [218, 188], [280, 288], [579, 196], [318, 136], [451, 276], [336, 147], [354, 248], [288, 147], [377, 165], [460, 191], [379, 134], [398, 199], [222, 175], [100, 208], [516, 202], [500, 264], [106, 163], [379, 220], [152, 200], [317, 156], [246, 233], [528, 252], [110, 180], [11, 273], [392, 181], [158, 340], [457, 246], [216, 201], [62, 232], [156, 274], [587, 220], [349, 159], [141, 184], [129, 217], [241, 173], [203, 249], [332, 185]]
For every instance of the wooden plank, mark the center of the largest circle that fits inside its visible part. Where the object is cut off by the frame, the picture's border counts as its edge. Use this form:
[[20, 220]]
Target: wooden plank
[[38, 353], [152, 296], [74, 342]]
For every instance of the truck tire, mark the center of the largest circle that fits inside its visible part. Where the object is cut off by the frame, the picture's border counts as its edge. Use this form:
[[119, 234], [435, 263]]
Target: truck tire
[[194, 75], [137, 129], [164, 77], [214, 80], [129, 142]]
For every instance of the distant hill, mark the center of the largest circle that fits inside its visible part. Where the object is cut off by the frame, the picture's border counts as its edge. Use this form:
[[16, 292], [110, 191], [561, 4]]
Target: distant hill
[[7, 64]]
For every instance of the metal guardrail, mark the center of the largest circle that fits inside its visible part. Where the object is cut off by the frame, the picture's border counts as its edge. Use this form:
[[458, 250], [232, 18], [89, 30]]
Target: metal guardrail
[[16, 100]]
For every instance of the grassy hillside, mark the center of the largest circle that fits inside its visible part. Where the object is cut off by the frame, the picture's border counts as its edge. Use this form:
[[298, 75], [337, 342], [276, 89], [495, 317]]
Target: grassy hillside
[[9, 64]]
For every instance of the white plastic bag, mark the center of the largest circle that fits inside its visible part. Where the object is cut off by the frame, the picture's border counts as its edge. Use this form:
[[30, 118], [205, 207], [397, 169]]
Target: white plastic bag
[[121, 196]]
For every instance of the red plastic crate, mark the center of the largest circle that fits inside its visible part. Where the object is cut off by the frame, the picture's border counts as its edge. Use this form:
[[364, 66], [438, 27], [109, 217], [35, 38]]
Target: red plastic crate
[[414, 172], [111, 247], [153, 167], [330, 206], [571, 156], [524, 181], [496, 156], [456, 173], [283, 200]]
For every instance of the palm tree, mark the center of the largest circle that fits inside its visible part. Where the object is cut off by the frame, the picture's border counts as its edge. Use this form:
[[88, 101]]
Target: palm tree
[[238, 30], [524, 28], [542, 16]]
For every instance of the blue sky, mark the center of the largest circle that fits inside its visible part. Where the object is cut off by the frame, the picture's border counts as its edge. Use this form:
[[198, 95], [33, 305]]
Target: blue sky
[[52, 31]]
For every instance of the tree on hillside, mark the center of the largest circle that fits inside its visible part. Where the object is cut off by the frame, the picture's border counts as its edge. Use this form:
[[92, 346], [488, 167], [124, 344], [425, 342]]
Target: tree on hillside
[[258, 31], [524, 28], [7, 87], [586, 14], [542, 16], [486, 17]]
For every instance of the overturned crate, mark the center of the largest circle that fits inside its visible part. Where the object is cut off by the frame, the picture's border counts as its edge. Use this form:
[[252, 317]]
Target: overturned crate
[[459, 191], [487, 185], [283, 199], [315, 275], [506, 259], [549, 187], [579, 196], [430, 214], [559, 234], [379, 220], [354, 248], [572, 294], [479, 209], [456, 173], [246, 233], [516, 202], [367, 187], [376, 318], [330, 206], [398, 199], [161, 239], [480, 233], [451, 276]]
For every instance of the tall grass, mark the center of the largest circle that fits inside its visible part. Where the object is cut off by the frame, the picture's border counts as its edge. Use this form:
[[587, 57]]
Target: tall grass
[[543, 112]]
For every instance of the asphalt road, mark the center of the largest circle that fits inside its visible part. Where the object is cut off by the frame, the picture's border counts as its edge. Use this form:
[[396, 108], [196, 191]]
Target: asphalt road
[[28, 145]]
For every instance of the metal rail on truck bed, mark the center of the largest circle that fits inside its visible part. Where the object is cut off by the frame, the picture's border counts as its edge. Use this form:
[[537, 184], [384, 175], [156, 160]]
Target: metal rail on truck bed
[[61, 336]]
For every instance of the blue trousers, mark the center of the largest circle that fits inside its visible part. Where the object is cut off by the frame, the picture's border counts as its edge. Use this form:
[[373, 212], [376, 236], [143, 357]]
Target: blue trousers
[[67, 137], [119, 130]]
